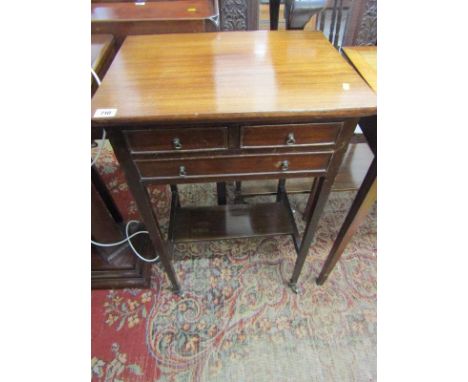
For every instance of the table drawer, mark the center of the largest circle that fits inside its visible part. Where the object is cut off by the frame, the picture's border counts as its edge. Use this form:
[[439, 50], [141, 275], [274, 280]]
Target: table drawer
[[310, 134], [310, 163], [177, 139]]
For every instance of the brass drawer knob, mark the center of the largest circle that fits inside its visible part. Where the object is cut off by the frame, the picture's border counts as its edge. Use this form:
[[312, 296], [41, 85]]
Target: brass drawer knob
[[284, 165], [291, 140], [182, 171], [176, 144]]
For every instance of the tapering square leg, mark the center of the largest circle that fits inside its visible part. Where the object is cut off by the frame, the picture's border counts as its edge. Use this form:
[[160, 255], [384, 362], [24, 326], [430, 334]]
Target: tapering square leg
[[365, 199], [221, 190], [145, 208]]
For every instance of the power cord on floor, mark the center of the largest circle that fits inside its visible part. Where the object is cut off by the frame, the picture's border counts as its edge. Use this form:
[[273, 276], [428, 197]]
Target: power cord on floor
[[128, 239]]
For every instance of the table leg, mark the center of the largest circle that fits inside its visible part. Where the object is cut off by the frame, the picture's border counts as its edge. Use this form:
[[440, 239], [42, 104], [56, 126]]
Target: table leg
[[238, 192], [274, 14], [365, 199], [144, 205], [101, 188], [221, 190], [317, 199], [104, 227], [175, 192], [308, 209], [280, 194], [317, 204]]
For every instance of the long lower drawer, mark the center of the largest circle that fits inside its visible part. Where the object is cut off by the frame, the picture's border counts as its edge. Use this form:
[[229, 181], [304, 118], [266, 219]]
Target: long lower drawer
[[231, 166]]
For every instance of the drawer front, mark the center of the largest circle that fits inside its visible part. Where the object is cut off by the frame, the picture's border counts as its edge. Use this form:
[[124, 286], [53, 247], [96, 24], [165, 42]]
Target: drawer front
[[177, 139], [301, 135], [231, 166]]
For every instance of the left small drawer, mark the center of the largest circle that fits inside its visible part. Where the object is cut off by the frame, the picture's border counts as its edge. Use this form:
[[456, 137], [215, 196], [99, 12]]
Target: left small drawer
[[164, 140]]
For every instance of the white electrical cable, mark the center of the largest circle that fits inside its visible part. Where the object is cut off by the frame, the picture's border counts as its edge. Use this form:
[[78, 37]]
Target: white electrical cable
[[96, 77], [118, 242], [133, 248], [128, 239]]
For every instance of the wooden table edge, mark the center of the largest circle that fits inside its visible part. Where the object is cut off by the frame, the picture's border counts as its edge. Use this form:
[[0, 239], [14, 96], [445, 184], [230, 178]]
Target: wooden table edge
[[350, 61], [233, 117]]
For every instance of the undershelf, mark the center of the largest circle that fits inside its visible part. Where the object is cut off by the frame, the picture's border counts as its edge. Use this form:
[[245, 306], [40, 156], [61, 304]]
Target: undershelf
[[231, 221]]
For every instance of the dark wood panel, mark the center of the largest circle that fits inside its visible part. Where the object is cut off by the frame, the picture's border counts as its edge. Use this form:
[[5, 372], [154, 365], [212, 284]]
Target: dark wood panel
[[115, 267], [123, 19], [231, 221], [312, 134], [177, 139], [122, 270], [158, 10], [102, 54], [185, 169], [128, 28], [101, 44], [103, 225]]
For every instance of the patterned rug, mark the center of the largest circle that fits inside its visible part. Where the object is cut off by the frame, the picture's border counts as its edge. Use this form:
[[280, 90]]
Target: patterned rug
[[238, 321]]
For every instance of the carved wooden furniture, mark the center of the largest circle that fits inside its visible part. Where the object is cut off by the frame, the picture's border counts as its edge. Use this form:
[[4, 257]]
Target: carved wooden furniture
[[345, 22], [364, 59], [115, 267], [154, 17], [362, 24], [233, 14], [230, 106], [238, 14], [351, 22]]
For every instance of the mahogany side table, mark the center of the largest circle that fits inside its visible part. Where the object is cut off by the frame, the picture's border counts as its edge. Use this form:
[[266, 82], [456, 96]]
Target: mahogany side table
[[214, 107]]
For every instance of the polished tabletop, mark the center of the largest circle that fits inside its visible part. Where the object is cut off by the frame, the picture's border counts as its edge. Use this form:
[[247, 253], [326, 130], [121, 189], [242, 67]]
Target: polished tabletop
[[230, 75], [159, 10], [364, 59]]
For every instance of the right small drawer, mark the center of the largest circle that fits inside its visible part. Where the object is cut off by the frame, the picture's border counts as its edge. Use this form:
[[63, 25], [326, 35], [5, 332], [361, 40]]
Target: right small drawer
[[300, 135]]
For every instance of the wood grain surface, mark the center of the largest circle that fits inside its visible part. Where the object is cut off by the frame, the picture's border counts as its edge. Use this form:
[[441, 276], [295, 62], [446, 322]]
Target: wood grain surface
[[160, 10], [364, 59], [233, 76]]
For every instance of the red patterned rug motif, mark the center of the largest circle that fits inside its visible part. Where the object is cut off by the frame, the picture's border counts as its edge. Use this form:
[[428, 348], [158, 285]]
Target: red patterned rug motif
[[238, 321]]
